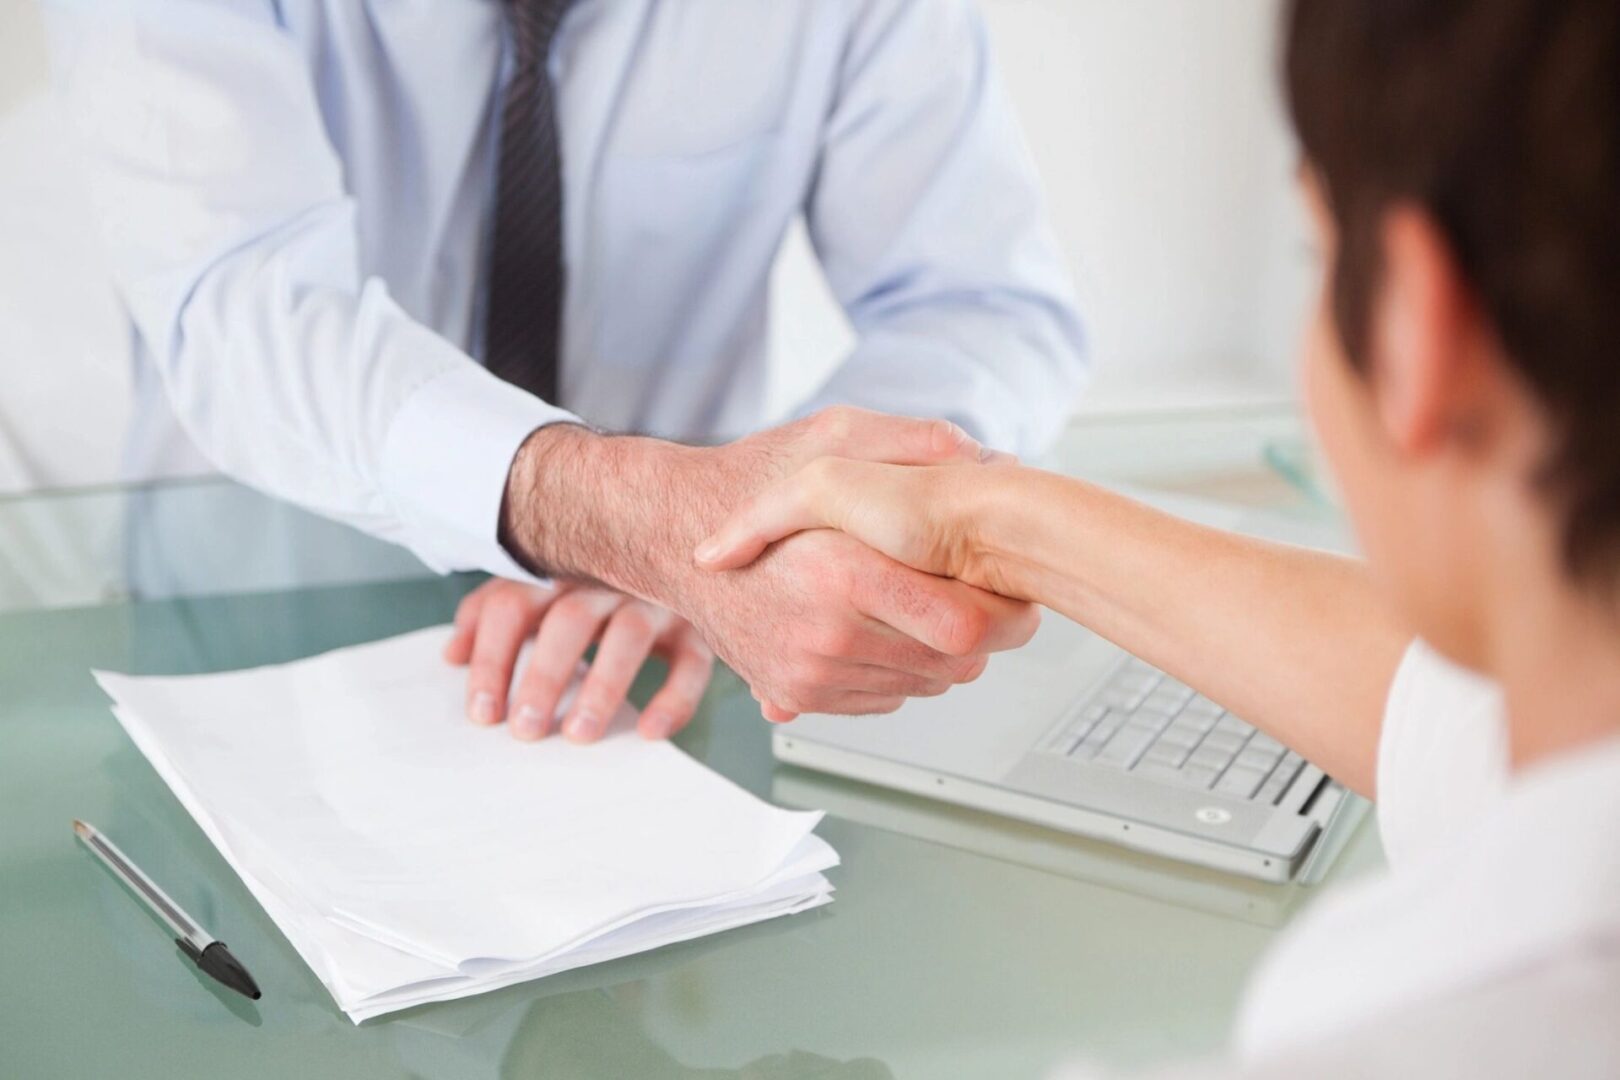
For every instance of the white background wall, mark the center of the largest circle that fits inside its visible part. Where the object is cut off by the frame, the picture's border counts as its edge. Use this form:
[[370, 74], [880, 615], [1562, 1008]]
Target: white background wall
[[1159, 130], [1155, 123], [64, 381]]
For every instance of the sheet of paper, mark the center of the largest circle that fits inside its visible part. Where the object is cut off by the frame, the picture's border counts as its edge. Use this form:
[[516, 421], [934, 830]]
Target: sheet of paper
[[410, 856]]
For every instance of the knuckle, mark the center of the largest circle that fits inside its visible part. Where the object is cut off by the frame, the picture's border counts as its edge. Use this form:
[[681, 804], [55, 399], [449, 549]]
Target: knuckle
[[820, 474], [693, 646], [967, 669], [492, 660], [792, 701], [835, 422], [944, 437], [814, 674], [694, 679], [603, 701], [678, 700], [635, 622], [574, 607], [807, 688], [505, 603], [962, 629], [837, 640], [543, 675], [842, 567], [543, 683], [609, 684]]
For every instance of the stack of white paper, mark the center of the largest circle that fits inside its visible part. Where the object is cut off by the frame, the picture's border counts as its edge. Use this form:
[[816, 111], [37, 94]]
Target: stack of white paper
[[410, 856]]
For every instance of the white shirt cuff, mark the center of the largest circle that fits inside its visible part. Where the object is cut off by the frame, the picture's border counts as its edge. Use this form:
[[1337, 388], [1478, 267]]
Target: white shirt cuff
[[445, 464]]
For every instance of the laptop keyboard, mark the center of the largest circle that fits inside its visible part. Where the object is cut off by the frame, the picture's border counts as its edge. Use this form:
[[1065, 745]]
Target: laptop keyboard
[[1144, 722]]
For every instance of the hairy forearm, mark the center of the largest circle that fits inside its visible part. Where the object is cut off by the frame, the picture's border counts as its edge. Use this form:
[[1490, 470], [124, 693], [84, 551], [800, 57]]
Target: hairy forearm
[[627, 511], [611, 509], [1298, 642]]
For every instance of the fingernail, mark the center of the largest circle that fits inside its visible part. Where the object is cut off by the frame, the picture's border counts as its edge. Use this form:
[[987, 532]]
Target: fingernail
[[483, 708], [582, 725], [707, 551], [656, 725], [526, 724], [988, 456]]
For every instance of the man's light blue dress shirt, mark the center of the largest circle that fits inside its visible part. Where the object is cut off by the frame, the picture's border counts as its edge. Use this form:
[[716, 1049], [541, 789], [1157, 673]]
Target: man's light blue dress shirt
[[296, 196]]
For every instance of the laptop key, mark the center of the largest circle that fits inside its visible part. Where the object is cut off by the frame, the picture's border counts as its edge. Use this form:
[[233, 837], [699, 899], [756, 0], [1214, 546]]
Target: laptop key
[[1157, 726], [1165, 700], [1088, 747], [1209, 757], [1075, 738], [1110, 723], [1198, 776], [1288, 768], [1260, 760], [1262, 741], [1199, 722], [1136, 682], [1180, 735], [1149, 722], [1224, 742], [1271, 791], [1163, 753], [1239, 781], [1124, 748], [1122, 699]]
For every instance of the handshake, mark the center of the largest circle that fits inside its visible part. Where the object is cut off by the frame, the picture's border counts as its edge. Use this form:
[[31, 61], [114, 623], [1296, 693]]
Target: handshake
[[827, 562]]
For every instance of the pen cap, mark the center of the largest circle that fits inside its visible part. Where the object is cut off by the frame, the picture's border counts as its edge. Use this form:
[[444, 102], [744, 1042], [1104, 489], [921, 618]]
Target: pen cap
[[216, 960]]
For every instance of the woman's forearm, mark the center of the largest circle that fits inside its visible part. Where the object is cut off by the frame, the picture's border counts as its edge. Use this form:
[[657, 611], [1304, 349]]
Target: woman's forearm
[[1295, 641]]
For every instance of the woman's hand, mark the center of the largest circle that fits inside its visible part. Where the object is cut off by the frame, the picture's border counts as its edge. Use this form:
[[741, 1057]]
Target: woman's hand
[[498, 618], [925, 517]]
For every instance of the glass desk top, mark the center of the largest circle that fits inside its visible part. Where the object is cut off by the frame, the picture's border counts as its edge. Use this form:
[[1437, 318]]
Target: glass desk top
[[960, 945]]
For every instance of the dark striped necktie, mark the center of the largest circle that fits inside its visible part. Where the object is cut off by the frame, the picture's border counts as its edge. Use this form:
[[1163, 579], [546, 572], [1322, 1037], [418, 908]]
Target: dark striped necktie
[[527, 277]]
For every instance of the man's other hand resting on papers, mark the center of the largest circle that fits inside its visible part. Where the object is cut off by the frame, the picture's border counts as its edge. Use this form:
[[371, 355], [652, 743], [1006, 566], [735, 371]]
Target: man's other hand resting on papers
[[497, 618]]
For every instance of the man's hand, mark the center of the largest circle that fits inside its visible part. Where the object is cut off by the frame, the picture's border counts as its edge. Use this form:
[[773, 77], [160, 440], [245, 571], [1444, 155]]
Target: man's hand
[[498, 618], [820, 623]]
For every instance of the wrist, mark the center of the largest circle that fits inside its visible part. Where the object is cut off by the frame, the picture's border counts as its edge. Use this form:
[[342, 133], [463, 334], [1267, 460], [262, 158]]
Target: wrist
[[586, 506], [999, 533], [525, 531]]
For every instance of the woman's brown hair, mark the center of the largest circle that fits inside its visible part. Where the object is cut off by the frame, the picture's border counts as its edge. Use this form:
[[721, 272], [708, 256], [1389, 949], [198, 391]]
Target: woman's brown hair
[[1501, 118]]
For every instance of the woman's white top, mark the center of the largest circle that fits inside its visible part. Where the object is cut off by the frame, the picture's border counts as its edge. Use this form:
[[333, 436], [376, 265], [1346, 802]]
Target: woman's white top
[[1491, 946]]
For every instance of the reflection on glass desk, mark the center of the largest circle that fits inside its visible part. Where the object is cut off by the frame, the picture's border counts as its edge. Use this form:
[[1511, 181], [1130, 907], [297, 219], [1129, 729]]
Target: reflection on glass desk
[[959, 946], [1024, 844], [176, 538]]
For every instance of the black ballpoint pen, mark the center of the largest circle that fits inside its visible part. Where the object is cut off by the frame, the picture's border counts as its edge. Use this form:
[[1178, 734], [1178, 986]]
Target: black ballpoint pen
[[210, 955]]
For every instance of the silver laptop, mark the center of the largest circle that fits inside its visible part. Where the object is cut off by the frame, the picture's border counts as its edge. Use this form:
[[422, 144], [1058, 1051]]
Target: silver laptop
[[1072, 733]]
